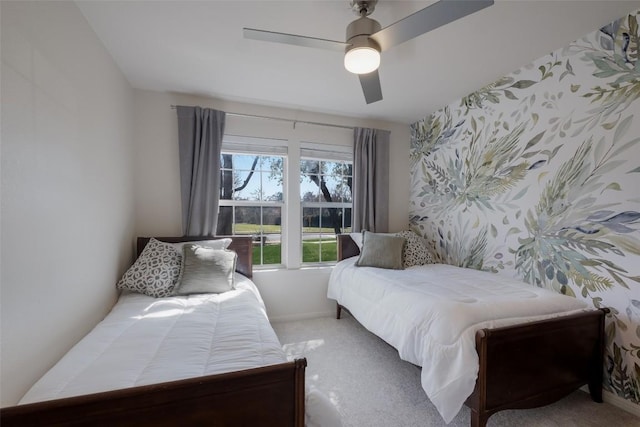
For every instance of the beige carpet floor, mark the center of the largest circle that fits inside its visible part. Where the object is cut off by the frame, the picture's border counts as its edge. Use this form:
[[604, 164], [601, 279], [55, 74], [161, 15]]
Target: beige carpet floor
[[372, 387]]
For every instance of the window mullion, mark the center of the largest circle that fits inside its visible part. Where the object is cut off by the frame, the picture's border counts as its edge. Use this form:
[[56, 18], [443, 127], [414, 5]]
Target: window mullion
[[293, 246]]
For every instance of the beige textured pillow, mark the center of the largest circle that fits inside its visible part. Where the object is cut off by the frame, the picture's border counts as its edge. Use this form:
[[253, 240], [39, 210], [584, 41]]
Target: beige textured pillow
[[381, 250], [205, 270], [416, 251]]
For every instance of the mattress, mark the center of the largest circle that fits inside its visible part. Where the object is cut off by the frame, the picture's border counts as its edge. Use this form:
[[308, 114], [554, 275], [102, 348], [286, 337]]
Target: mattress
[[144, 340], [431, 313]]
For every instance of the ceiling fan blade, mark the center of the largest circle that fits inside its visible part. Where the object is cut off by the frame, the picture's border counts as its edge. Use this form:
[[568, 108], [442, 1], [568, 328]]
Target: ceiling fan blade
[[371, 86], [271, 36], [427, 19]]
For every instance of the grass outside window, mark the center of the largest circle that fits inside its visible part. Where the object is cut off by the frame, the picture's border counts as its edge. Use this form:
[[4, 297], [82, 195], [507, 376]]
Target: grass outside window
[[311, 251]]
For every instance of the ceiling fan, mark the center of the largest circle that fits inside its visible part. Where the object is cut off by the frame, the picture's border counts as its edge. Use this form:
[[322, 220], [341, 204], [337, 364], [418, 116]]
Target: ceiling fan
[[366, 38]]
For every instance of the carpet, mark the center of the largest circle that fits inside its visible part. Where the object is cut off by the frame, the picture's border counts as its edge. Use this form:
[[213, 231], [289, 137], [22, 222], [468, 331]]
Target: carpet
[[371, 387]]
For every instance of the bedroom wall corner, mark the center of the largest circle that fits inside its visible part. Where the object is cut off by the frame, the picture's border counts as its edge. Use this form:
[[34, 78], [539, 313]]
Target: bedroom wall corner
[[67, 195], [536, 176]]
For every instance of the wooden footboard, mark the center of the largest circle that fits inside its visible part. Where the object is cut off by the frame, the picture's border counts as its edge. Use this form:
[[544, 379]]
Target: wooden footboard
[[537, 363], [266, 396]]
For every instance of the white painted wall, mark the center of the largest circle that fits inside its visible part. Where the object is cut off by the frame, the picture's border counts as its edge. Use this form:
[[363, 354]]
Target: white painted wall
[[67, 194], [288, 294]]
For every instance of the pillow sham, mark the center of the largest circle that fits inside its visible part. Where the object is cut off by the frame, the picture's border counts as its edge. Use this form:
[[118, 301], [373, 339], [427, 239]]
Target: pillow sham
[[205, 270], [155, 272], [416, 251], [381, 250]]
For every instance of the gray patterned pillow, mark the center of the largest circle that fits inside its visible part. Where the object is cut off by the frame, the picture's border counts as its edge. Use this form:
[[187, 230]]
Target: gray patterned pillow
[[416, 251], [155, 272]]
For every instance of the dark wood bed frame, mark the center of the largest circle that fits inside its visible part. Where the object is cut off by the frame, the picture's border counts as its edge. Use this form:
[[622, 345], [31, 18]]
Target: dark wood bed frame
[[266, 396], [532, 364]]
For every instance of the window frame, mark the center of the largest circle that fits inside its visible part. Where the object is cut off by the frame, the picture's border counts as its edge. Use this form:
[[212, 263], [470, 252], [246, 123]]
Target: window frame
[[251, 146], [328, 156], [292, 150]]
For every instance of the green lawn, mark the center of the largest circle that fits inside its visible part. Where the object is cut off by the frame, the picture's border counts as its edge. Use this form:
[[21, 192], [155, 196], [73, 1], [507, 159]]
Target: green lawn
[[271, 254], [310, 252], [311, 249]]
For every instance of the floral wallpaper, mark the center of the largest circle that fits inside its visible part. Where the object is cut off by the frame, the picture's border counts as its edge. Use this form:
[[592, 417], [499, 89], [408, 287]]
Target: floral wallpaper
[[537, 176]]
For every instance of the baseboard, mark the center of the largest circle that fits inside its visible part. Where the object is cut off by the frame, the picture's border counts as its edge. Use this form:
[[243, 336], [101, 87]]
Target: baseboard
[[621, 403], [301, 316], [617, 401]]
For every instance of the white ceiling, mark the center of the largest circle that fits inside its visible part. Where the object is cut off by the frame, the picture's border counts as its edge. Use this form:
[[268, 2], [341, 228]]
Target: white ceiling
[[197, 47]]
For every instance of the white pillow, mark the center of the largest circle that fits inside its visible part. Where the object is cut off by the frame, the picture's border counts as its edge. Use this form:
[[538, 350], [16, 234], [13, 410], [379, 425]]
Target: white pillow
[[213, 244], [155, 272]]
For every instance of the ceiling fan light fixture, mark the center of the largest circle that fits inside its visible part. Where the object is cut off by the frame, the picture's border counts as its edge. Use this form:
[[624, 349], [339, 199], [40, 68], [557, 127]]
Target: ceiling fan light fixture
[[362, 60]]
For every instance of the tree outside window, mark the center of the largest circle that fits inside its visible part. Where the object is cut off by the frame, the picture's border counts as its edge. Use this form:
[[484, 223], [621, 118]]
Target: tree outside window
[[325, 192], [251, 202]]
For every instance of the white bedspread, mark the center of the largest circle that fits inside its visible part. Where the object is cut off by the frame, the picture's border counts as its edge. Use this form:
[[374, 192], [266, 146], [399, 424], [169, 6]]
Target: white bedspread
[[430, 315], [146, 340]]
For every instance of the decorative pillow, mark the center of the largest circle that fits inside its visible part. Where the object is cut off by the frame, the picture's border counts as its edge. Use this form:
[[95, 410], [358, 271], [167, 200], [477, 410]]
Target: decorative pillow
[[206, 270], [381, 250], [416, 251], [155, 272], [213, 244]]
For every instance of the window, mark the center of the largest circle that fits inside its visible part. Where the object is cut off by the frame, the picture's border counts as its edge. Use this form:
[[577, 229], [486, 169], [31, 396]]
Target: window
[[325, 193], [293, 217], [252, 200]]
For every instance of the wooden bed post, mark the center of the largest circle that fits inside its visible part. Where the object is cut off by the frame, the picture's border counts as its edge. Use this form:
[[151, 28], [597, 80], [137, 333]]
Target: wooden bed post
[[596, 375], [300, 392], [479, 416]]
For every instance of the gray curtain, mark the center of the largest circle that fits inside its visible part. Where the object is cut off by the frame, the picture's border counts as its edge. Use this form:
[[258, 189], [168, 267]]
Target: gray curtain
[[370, 180], [200, 132]]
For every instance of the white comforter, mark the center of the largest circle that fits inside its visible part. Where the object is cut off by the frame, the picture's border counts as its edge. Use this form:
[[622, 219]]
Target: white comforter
[[146, 340], [430, 315]]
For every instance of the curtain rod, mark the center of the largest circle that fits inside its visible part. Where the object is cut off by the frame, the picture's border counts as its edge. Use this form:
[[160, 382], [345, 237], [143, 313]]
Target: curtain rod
[[256, 116]]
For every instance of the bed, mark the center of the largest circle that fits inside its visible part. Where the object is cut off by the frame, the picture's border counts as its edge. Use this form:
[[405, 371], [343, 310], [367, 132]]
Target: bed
[[532, 349], [146, 364]]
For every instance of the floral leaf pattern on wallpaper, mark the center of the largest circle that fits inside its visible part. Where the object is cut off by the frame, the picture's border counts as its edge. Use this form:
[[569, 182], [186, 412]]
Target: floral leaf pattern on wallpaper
[[615, 54], [428, 134], [490, 166], [508, 86], [536, 176], [571, 233]]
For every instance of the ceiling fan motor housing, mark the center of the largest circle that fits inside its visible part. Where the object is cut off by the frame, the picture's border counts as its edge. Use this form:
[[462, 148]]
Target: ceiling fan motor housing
[[358, 33]]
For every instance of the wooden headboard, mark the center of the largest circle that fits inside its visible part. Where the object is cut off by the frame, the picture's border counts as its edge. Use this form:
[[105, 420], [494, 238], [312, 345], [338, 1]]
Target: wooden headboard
[[242, 245], [346, 247]]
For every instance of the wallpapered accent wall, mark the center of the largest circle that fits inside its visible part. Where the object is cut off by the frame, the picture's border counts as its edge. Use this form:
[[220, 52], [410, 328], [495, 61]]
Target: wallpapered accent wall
[[537, 176]]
